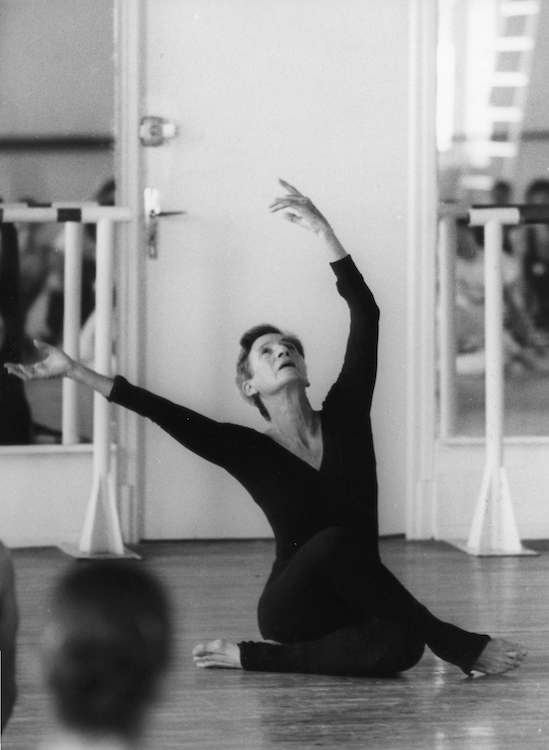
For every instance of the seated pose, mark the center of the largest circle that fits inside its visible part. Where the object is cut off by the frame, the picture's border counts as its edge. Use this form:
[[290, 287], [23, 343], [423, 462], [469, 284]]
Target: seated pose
[[105, 649], [329, 606]]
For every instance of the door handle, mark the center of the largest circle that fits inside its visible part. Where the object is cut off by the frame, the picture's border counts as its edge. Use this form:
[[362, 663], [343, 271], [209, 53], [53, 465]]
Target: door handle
[[155, 131], [152, 214]]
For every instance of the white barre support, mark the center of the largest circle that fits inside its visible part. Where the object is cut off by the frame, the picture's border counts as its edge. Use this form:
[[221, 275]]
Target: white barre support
[[101, 535], [447, 243], [101, 531], [71, 327], [494, 530]]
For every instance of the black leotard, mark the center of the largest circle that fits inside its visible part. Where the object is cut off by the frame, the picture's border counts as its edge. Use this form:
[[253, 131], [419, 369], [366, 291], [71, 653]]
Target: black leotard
[[329, 600]]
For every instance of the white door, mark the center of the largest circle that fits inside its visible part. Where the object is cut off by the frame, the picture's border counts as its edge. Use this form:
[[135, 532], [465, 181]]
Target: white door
[[257, 91]]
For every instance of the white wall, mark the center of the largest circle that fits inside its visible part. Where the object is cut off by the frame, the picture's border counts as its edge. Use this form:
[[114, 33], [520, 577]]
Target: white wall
[[45, 492]]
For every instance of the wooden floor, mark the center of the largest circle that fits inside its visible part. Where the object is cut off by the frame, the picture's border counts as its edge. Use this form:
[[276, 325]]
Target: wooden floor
[[215, 586]]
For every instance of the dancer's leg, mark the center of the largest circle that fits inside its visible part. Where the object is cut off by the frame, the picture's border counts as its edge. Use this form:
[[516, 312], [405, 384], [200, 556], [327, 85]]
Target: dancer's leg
[[322, 633], [335, 566], [469, 651], [379, 647], [337, 610], [303, 603]]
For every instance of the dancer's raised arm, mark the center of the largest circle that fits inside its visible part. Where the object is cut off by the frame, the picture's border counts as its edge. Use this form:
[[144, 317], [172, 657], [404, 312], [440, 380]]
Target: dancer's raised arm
[[300, 210], [57, 364]]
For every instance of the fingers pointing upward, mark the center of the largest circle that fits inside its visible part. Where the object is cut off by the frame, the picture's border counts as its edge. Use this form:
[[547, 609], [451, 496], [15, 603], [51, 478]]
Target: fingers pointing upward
[[289, 188]]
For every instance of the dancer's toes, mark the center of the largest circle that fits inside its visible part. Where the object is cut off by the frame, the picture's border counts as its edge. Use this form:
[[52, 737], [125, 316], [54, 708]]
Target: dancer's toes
[[500, 655], [218, 653]]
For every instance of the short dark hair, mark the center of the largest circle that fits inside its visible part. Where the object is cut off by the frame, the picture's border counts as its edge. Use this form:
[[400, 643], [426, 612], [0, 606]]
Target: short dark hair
[[114, 620], [243, 371], [502, 189], [540, 185]]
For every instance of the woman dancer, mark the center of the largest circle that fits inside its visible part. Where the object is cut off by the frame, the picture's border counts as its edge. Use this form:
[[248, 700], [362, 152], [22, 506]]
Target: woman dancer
[[329, 605]]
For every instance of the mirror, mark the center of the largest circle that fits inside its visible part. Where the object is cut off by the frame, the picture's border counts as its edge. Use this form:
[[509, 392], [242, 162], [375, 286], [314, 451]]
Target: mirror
[[493, 148], [56, 144]]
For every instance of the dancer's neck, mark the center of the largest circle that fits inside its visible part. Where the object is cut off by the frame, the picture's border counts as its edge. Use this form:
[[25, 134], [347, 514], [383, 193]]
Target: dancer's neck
[[295, 425]]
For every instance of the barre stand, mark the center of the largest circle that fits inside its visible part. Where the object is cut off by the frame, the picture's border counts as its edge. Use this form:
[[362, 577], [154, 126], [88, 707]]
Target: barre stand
[[494, 530], [102, 536]]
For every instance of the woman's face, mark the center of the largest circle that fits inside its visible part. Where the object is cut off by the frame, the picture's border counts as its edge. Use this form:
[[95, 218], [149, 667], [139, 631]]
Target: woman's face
[[274, 362]]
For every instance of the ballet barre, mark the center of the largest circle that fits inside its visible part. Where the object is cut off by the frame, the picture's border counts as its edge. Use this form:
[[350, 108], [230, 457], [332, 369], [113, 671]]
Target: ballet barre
[[101, 535]]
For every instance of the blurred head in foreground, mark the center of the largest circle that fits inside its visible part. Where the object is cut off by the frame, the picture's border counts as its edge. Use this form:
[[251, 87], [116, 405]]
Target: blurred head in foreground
[[106, 647]]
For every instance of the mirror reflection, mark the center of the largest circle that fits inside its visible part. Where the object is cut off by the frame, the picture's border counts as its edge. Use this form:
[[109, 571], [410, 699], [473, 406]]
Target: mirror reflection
[[493, 148], [56, 145]]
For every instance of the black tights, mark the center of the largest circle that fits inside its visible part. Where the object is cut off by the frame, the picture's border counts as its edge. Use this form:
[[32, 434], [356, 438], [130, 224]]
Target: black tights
[[336, 609]]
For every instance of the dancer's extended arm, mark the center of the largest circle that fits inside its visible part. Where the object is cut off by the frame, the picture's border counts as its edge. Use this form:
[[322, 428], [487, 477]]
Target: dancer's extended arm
[[358, 375], [222, 443]]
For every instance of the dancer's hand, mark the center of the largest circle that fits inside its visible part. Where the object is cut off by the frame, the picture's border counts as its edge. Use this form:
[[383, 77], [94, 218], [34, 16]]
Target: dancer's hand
[[56, 364], [219, 653], [301, 210]]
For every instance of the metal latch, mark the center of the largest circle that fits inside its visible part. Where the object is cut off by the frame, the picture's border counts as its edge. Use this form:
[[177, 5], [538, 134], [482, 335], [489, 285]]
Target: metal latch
[[152, 214]]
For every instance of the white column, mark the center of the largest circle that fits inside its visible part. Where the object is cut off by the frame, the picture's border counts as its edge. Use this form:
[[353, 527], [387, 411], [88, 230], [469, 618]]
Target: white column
[[103, 339], [446, 324], [71, 326], [101, 534], [494, 530], [493, 242]]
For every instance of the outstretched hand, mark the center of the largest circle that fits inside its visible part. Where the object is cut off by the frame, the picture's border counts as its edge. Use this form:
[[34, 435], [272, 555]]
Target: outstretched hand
[[56, 364], [300, 210]]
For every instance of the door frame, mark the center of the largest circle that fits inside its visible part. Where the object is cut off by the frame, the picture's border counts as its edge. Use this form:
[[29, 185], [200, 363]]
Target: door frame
[[421, 304], [130, 18], [129, 29]]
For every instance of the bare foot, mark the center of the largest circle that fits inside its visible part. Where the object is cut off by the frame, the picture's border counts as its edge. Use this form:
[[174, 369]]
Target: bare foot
[[219, 653], [500, 656]]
